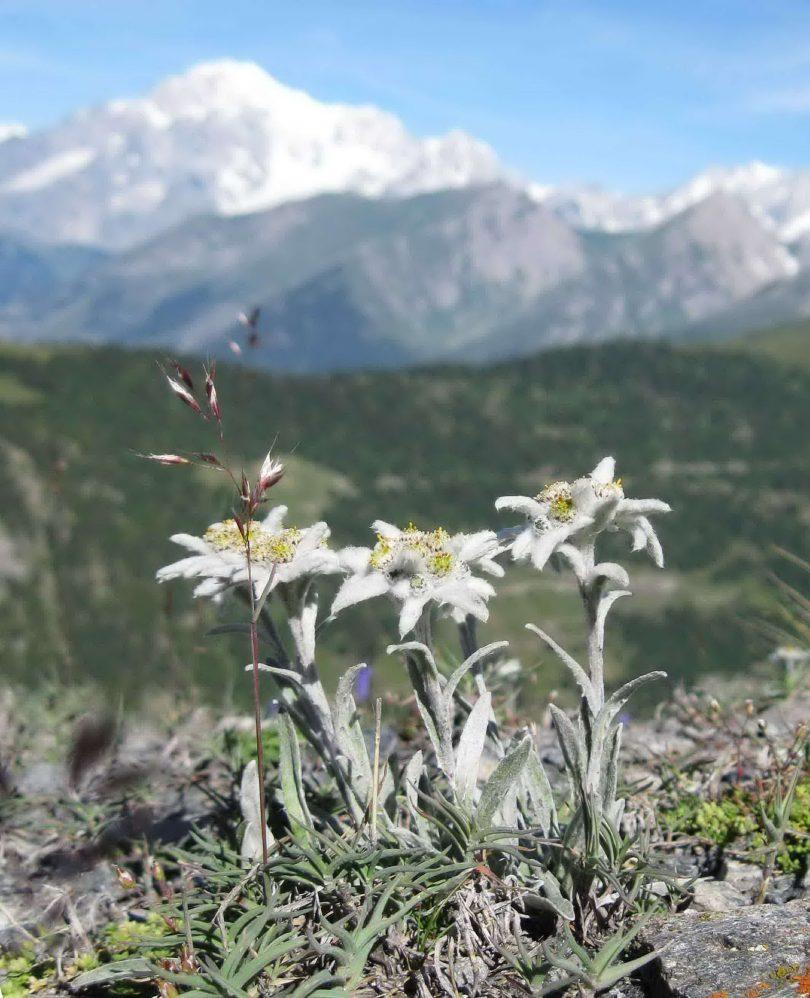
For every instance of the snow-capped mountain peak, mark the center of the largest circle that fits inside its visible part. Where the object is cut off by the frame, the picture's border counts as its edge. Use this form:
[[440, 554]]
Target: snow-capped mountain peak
[[743, 179], [223, 137], [11, 130], [779, 199], [227, 138], [226, 86]]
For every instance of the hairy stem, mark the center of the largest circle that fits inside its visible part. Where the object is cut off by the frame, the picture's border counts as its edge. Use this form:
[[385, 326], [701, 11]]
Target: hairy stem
[[257, 706], [591, 595], [318, 729], [427, 686], [468, 638], [375, 779]]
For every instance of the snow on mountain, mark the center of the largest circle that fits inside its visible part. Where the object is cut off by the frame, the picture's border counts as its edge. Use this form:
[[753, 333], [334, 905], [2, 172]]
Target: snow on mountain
[[11, 130], [593, 207], [47, 172], [224, 137], [779, 199]]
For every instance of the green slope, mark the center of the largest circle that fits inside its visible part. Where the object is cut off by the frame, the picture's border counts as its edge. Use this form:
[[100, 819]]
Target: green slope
[[789, 344], [84, 523]]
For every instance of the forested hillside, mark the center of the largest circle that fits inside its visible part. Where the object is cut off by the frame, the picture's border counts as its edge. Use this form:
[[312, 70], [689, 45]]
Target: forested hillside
[[84, 523]]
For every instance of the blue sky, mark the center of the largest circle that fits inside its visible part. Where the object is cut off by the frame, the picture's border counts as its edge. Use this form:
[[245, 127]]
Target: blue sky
[[631, 95]]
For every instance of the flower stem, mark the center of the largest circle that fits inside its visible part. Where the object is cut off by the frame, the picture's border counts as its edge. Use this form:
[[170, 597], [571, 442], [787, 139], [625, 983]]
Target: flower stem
[[427, 686], [468, 637], [257, 707], [591, 596], [257, 711], [375, 780]]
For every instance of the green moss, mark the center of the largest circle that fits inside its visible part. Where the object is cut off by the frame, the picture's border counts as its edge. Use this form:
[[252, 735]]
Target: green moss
[[239, 747], [86, 961], [736, 819], [23, 974], [786, 972], [26, 973], [130, 937], [721, 822]]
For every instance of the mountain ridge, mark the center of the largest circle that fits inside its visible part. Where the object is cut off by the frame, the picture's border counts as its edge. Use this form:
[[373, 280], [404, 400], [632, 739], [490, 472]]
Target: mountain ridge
[[476, 273], [224, 137], [370, 246], [245, 142]]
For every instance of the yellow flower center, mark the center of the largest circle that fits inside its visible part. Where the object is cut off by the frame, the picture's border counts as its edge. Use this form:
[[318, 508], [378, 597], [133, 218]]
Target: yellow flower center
[[441, 563], [380, 552], [559, 500], [265, 545], [424, 551]]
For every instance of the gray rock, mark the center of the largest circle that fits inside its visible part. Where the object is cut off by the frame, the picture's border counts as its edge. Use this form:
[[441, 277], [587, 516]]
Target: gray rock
[[12, 934], [702, 953], [41, 779], [782, 889], [746, 877], [717, 896], [684, 864], [783, 718], [626, 989]]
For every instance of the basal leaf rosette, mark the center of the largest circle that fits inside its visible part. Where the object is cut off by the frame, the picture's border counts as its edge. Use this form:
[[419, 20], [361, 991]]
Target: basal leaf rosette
[[278, 555], [572, 514], [419, 567]]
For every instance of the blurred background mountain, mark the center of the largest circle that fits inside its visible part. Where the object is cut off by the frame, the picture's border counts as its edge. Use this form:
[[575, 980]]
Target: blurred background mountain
[[153, 221]]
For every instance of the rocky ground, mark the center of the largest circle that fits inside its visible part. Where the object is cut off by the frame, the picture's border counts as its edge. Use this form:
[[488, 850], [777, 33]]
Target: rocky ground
[[89, 798]]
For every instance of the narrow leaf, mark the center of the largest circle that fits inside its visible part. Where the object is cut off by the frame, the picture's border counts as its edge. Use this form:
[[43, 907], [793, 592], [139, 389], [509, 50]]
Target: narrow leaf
[[345, 706], [538, 789], [613, 976], [470, 747], [572, 746], [553, 898], [135, 969], [502, 780], [292, 789], [618, 699], [235, 628], [417, 646]]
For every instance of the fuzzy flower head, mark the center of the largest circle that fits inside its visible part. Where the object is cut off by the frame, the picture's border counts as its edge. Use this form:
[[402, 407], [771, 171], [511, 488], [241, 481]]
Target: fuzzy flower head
[[571, 513], [790, 657], [219, 557], [417, 567]]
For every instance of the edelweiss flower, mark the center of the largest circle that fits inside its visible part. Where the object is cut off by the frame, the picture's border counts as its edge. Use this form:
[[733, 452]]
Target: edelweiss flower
[[286, 553], [417, 567], [790, 657], [571, 512]]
